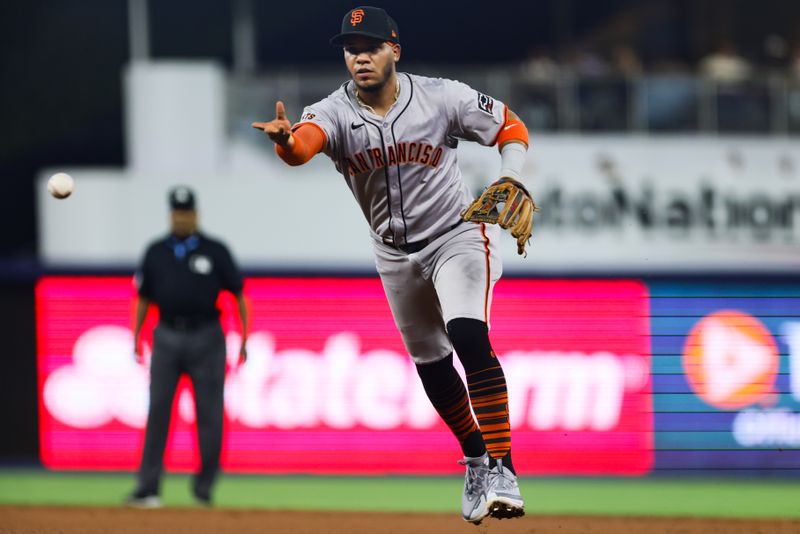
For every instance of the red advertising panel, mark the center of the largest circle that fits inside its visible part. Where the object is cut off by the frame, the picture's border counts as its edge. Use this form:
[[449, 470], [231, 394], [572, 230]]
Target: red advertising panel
[[329, 388]]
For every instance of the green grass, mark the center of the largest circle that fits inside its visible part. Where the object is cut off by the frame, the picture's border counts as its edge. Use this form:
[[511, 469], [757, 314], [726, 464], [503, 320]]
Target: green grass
[[672, 497]]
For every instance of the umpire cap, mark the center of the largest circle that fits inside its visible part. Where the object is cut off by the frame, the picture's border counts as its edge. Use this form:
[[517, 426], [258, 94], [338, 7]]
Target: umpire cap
[[370, 22], [181, 198]]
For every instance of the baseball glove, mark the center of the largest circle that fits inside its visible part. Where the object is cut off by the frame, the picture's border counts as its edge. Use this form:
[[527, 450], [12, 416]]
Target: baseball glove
[[516, 213]]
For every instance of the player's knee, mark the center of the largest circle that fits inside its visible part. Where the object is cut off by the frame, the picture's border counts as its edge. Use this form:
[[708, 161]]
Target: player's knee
[[468, 335], [434, 370], [470, 338]]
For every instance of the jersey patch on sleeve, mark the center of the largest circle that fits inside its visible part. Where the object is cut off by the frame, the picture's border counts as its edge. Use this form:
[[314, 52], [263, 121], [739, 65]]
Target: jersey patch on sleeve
[[307, 116], [485, 103]]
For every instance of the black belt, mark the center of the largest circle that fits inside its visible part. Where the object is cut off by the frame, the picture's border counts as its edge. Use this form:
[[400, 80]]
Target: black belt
[[416, 246], [185, 323]]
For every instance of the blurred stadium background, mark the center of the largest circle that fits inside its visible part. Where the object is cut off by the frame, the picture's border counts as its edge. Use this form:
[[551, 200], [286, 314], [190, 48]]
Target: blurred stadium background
[[651, 337]]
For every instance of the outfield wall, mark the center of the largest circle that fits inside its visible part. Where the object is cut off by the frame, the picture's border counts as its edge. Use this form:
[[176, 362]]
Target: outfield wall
[[628, 204], [607, 376]]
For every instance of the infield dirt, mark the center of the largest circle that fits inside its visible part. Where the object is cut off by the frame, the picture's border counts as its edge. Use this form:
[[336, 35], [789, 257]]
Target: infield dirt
[[85, 520]]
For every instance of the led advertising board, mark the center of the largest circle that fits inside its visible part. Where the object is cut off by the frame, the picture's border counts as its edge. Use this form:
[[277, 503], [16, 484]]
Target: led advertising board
[[329, 388], [726, 376]]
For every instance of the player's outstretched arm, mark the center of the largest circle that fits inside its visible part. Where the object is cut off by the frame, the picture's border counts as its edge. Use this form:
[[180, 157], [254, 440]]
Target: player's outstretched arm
[[295, 145]]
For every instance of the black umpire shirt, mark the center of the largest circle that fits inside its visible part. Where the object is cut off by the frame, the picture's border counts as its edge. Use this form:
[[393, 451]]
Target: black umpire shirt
[[183, 277]]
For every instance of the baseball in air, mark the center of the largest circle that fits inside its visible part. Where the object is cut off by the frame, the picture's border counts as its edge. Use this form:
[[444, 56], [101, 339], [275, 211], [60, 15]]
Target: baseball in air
[[60, 185]]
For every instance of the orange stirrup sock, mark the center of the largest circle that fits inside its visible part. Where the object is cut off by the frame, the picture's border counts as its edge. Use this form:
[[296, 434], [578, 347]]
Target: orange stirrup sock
[[447, 393], [486, 385]]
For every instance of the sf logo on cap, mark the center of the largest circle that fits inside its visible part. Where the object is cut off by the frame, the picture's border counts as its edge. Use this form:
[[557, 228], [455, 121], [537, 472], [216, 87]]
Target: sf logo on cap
[[356, 16]]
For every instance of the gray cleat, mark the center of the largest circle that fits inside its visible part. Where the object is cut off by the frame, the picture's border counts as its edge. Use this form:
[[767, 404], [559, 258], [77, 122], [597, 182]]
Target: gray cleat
[[473, 500], [503, 500]]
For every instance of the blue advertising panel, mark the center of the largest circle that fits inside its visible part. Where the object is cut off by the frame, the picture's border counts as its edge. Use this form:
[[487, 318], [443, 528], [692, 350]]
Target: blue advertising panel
[[726, 375]]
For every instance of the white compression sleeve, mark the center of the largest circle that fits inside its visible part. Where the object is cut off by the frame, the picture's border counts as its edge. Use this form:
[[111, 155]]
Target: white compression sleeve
[[512, 158]]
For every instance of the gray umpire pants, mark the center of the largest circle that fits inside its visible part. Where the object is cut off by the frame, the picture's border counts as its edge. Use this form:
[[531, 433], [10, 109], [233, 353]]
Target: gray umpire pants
[[199, 352]]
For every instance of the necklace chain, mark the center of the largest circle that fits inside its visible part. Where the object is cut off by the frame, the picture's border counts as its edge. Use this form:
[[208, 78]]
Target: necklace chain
[[364, 104]]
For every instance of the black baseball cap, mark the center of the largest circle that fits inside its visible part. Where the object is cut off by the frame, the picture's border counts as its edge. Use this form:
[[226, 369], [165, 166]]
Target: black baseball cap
[[181, 198], [370, 22]]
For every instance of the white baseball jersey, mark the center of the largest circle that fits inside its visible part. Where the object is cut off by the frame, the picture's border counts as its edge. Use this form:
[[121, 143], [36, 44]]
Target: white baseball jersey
[[402, 167]]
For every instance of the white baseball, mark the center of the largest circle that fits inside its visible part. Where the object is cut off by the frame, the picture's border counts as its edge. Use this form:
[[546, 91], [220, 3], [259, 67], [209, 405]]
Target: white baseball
[[60, 185]]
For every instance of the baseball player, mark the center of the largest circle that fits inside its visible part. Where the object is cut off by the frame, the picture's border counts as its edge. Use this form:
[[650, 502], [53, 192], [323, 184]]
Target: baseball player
[[393, 137]]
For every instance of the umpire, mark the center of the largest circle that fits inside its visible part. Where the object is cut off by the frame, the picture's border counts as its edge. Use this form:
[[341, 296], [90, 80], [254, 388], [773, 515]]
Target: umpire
[[183, 274]]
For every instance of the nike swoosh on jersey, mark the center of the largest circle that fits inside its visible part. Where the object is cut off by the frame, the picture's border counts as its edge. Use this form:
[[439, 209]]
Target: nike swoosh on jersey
[[509, 126], [356, 125]]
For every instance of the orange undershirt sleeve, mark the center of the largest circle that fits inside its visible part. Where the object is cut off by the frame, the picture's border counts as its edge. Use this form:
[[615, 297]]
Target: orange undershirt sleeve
[[309, 139]]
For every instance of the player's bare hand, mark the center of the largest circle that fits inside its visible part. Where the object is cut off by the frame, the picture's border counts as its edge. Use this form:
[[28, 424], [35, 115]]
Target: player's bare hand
[[279, 129]]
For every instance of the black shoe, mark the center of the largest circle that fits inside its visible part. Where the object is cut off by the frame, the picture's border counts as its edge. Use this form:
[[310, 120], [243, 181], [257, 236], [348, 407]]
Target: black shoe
[[143, 499]]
